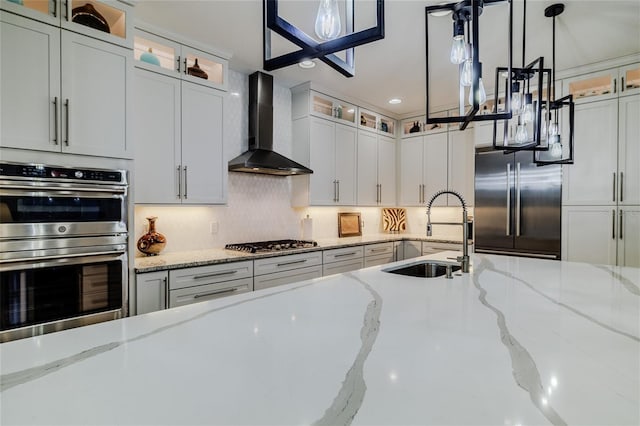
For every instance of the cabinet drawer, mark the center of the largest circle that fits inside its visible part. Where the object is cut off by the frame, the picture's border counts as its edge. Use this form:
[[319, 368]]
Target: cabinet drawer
[[286, 263], [201, 275], [378, 249], [378, 260], [431, 248], [338, 255], [186, 296], [344, 266], [287, 277]]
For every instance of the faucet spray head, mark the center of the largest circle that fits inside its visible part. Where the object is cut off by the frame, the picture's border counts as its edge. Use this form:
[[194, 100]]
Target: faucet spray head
[[429, 233]]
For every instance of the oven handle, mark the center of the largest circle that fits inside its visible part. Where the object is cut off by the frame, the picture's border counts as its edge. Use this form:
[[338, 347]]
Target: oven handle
[[59, 260], [28, 189], [69, 193]]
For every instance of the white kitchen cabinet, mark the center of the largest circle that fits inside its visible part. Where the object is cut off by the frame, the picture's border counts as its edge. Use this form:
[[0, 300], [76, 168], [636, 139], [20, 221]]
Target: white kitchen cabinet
[[378, 254], [378, 123], [329, 149], [178, 60], [179, 146], [461, 162], [280, 270], [197, 284], [589, 234], [305, 102], [376, 169], [344, 259], [59, 13], [70, 96], [152, 292], [592, 179], [629, 150], [430, 247], [423, 169], [412, 249], [606, 84], [629, 236]]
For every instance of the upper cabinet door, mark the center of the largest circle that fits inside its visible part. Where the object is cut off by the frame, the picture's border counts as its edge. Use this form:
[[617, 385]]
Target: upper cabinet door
[[435, 167], [461, 166], [322, 185], [411, 179], [629, 150], [156, 130], [592, 87], [346, 160], [203, 165], [367, 169], [106, 20], [202, 68], [95, 79], [592, 179], [30, 104], [157, 54], [47, 11], [387, 170]]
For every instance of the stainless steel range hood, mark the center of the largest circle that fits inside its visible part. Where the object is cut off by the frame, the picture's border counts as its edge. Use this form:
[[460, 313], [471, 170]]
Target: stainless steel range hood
[[260, 158]]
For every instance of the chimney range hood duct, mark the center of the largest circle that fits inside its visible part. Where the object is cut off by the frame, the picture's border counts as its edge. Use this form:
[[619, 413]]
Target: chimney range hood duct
[[260, 158]]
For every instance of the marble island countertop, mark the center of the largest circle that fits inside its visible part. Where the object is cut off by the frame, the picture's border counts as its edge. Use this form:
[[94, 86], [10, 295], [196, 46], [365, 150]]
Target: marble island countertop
[[186, 259], [515, 342]]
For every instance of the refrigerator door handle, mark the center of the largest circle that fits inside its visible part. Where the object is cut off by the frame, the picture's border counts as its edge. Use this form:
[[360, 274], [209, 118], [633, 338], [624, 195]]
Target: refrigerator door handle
[[518, 200], [508, 199]]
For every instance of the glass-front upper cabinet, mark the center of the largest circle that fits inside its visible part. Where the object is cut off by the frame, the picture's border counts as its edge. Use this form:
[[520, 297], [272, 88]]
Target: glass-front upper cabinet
[[376, 122], [107, 20], [165, 56], [606, 84], [417, 126], [327, 107]]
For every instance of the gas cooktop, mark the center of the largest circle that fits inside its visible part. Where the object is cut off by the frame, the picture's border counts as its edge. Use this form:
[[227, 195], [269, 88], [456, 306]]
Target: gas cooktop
[[271, 246]]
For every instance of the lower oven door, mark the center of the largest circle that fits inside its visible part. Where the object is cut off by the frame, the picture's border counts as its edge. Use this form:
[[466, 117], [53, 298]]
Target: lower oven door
[[50, 294]]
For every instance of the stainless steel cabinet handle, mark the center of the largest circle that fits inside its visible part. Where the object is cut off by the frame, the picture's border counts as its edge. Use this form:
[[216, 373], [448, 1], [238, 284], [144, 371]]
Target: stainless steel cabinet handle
[[518, 200], [615, 85], [378, 250], [214, 274], [166, 292], [613, 224], [55, 119], [293, 262], [185, 65], [178, 61], [338, 197], [185, 182], [508, 199], [620, 224], [621, 186], [614, 186], [622, 84], [344, 254], [66, 106], [55, 8], [229, 290], [179, 194], [66, 9], [420, 194], [334, 191]]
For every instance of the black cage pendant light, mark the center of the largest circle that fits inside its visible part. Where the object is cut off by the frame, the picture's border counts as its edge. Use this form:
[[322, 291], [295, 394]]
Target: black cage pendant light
[[530, 93], [465, 55], [559, 116], [327, 28]]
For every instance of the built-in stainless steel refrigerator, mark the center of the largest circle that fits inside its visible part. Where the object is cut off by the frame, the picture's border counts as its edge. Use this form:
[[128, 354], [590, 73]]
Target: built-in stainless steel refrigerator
[[517, 205]]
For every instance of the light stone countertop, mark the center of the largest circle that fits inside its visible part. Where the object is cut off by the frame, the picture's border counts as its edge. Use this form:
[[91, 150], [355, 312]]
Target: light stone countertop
[[517, 341], [186, 259]]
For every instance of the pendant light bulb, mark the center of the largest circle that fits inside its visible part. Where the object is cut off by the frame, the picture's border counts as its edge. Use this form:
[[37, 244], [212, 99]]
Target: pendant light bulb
[[521, 133], [458, 47], [556, 147], [553, 129], [328, 20], [466, 77], [527, 109], [543, 128], [516, 98], [482, 95]]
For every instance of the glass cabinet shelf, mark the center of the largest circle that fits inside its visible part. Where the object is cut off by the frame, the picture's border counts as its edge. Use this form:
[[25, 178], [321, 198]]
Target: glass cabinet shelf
[[325, 107]]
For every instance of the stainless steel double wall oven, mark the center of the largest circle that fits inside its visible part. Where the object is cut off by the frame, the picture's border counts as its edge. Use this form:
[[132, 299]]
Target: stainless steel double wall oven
[[63, 247]]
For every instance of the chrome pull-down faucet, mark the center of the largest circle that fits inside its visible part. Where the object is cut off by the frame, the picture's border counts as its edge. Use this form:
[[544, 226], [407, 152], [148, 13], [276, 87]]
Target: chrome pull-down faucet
[[464, 259]]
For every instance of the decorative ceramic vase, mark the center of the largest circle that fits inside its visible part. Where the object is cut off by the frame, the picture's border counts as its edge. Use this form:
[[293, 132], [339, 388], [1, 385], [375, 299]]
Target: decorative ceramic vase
[[150, 58], [152, 242], [196, 71]]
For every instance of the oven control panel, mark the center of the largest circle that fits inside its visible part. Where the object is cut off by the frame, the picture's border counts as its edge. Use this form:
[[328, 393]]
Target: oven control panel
[[63, 173]]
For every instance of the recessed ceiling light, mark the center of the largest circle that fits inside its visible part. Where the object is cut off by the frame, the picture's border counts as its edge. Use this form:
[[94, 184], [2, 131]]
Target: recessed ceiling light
[[395, 101], [307, 64]]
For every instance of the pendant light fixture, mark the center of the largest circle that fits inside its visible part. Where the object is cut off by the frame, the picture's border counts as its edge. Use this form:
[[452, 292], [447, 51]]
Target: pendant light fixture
[[559, 115], [465, 55], [328, 27], [530, 93]]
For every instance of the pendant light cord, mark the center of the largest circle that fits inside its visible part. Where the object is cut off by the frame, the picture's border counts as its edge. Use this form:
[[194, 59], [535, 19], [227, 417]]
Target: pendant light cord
[[524, 29], [553, 60]]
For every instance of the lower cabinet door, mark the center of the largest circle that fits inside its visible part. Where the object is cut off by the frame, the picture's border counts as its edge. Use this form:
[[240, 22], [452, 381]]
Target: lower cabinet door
[[188, 295], [286, 277], [378, 260], [151, 291], [589, 234], [629, 236]]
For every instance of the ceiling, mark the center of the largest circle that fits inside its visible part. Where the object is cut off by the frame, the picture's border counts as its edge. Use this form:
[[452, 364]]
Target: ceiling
[[588, 31]]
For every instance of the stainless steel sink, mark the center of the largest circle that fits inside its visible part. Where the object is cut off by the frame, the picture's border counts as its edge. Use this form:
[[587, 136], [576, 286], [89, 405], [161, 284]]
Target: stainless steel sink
[[424, 269]]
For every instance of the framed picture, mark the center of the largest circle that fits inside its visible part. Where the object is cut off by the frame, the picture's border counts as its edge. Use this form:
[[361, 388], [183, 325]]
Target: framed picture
[[349, 225]]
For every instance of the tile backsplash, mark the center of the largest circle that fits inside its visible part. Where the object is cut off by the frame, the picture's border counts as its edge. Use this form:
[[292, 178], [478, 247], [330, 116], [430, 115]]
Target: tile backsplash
[[259, 206]]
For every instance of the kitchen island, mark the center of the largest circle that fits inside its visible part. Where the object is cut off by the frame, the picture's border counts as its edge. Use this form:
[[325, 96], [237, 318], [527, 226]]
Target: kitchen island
[[515, 342]]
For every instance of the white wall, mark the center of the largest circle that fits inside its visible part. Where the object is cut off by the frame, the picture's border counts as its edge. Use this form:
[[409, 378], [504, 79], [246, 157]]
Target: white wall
[[259, 206]]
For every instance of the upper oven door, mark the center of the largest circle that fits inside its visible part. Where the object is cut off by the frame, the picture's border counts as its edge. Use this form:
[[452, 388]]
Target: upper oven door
[[46, 210]]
